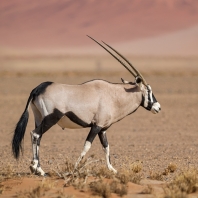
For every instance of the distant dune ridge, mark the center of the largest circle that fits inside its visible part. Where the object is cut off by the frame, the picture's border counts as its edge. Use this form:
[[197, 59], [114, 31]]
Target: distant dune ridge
[[139, 27]]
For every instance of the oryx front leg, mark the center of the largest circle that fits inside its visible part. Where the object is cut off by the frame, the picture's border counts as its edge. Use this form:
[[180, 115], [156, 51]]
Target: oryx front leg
[[35, 165], [92, 134], [105, 145]]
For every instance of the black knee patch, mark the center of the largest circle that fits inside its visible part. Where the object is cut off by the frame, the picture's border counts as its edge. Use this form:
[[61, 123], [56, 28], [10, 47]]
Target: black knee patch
[[92, 134]]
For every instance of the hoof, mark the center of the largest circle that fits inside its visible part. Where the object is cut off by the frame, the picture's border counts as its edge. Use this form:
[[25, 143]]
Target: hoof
[[39, 174], [112, 169], [46, 175], [38, 171], [32, 169]]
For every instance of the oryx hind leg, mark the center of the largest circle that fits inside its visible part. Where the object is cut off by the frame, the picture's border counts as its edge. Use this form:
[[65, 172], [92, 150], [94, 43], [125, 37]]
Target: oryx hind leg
[[92, 134], [36, 135], [35, 164], [105, 145], [36, 138]]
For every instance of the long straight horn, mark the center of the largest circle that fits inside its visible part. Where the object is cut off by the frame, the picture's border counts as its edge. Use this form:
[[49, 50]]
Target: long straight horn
[[114, 56], [137, 72]]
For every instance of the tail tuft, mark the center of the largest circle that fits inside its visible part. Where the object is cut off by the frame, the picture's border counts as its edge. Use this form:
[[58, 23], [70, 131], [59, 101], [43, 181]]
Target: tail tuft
[[19, 134]]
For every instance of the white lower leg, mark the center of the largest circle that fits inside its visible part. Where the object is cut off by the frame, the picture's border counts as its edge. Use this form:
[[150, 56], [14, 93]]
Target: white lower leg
[[39, 171], [110, 167], [35, 167], [86, 148]]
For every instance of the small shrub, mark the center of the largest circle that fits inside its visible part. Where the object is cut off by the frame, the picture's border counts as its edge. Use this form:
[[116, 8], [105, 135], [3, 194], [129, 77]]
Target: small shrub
[[136, 167], [173, 191], [118, 188], [61, 194], [100, 188], [38, 191], [126, 176], [105, 189], [183, 184], [147, 190], [123, 176], [156, 175], [7, 172], [172, 168], [103, 172], [166, 171]]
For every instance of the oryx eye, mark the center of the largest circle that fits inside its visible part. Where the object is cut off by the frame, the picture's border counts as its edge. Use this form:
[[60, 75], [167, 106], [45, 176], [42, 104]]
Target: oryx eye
[[138, 80]]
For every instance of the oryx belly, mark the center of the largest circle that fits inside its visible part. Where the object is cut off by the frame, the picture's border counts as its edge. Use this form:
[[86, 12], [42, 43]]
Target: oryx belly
[[65, 122]]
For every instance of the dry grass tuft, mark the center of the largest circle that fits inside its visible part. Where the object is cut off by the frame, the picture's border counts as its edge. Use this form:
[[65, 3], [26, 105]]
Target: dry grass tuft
[[61, 194], [156, 176], [130, 172], [166, 171], [100, 188], [38, 191], [126, 176], [172, 167], [118, 188], [183, 184], [76, 177], [105, 189], [7, 172], [136, 167], [103, 172], [174, 192], [147, 190]]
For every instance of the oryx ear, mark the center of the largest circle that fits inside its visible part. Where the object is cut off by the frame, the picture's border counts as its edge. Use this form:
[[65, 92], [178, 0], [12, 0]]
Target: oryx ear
[[138, 80], [124, 81]]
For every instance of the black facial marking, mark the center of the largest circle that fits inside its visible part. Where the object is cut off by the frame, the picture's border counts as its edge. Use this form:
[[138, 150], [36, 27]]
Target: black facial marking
[[103, 139], [149, 98], [154, 99], [150, 104], [74, 118], [93, 132]]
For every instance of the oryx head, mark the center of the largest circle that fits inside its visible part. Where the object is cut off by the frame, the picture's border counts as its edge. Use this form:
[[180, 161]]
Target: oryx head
[[149, 101]]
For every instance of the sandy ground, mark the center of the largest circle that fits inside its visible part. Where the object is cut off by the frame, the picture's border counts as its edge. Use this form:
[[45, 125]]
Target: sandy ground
[[155, 140]]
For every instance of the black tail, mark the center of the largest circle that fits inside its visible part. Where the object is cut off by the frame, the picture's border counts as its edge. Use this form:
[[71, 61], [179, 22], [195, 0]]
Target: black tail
[[20, 130], [22, 123], [19, 134]]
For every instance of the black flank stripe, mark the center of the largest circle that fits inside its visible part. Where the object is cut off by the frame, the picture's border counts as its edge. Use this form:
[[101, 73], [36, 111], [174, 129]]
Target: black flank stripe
[[74, 118]]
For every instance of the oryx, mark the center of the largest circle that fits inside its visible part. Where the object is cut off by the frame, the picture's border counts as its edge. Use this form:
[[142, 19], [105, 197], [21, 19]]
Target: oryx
[[96, 104]]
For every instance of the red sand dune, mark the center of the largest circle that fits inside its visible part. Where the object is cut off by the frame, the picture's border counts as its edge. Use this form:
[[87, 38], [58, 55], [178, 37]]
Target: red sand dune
[[51, 25]]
